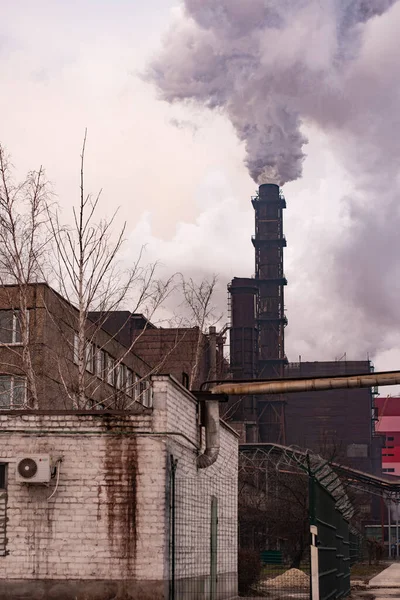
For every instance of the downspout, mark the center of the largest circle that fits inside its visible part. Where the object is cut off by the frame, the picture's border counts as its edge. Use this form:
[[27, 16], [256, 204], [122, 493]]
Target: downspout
[[211, 412], [212, 427]]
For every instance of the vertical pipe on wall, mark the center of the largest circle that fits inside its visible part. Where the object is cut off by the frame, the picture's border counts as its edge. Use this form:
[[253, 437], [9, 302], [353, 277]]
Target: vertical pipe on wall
[[390, 529], [214, 548], [173, 465], [212, 341], [397, 528], [382, 520]]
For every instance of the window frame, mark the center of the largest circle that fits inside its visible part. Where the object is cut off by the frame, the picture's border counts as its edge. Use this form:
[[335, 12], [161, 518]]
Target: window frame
[[110, 370], [130, 379], [120, 376], [90, 363], [14, 329], [12, 405], [100, 362], [3, 476]]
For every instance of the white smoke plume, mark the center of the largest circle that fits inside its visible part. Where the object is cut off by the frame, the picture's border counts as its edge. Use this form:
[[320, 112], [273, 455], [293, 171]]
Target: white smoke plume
[[268, 64], [271, 66]]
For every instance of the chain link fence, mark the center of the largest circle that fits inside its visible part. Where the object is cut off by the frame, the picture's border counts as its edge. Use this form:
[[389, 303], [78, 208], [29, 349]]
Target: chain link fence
[[203, 541]]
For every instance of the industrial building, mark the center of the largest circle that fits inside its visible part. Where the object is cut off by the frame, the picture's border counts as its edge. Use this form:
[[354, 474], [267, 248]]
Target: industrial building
[[115, 496], [338, 424], [388, 425]]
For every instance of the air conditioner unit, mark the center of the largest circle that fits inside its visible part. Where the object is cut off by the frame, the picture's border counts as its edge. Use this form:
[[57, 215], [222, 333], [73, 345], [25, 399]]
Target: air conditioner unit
[[33, 468]]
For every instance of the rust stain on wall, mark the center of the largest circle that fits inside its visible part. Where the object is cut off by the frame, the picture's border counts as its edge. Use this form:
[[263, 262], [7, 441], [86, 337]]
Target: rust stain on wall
[[120, 466]]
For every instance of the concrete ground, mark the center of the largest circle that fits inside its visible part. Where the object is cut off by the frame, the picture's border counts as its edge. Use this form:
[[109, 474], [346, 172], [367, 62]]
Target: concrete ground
[[385, 585]]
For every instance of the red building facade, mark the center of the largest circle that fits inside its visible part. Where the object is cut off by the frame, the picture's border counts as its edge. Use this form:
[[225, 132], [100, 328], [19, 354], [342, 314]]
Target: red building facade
[[389, 426]]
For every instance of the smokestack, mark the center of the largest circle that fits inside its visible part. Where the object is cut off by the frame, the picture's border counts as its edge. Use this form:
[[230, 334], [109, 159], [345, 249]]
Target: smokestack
[[269, 242], [269, 192]]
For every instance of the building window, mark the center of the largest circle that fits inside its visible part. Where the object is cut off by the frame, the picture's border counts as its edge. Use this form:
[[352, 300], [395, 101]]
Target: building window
[[129, 382], [89, 356], [136, 388], [145, 393], [110, 369], [357, 451], [12, 391], [76, 348], [120, 377], [100, 363], [390, 439], [10, 327], [2, 477], [387, 470]]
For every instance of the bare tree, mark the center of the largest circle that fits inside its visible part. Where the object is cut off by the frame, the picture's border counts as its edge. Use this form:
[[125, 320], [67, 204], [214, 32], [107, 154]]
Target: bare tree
[[24, 246], [198, 303], [90, 277]]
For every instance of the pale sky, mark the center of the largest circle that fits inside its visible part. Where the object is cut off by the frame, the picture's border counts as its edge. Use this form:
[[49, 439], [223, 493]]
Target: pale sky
[[177, 172]]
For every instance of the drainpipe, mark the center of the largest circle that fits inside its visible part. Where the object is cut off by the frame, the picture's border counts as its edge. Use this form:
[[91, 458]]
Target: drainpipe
[[211, 423], [212, 345], [211, 410]]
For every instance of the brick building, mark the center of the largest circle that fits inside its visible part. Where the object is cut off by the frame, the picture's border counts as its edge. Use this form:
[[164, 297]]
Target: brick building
[[47, 361], [102, 526], [388, 425], [129, 484], [187, 353]]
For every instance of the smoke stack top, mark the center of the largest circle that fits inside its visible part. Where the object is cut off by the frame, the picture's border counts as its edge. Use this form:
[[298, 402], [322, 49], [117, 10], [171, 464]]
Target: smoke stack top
[[269, 192], [269, 65]]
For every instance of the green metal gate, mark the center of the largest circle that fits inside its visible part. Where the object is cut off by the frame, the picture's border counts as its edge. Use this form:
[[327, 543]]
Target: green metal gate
[[330, 560]]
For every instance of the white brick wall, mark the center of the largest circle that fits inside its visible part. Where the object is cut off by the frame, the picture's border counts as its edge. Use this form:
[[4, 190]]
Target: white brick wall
[[109, 517], [194, 487]]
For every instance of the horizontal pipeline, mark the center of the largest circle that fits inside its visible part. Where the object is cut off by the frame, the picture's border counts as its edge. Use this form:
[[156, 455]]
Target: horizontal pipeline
[[315, 384]]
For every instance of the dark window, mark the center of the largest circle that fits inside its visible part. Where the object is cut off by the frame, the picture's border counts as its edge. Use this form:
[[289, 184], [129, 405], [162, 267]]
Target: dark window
[[2, 477], [390, 439], [12, 391], [10, 330], [185, 380], [388, 470]]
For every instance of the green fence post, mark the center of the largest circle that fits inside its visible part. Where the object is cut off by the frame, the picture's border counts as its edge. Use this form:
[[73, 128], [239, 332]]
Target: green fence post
[[314, 579], [172, 508], [214, 548]]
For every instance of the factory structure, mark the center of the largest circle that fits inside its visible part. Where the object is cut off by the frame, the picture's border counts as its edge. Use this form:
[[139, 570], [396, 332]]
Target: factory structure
[[335, 423]]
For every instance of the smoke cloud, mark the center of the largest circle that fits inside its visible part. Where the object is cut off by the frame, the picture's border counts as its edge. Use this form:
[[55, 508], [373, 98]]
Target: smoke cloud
[[269, 65], [278, 67]]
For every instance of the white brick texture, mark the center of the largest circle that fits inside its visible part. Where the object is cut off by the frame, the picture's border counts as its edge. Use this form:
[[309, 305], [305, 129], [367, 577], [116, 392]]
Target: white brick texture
[[109, 518]]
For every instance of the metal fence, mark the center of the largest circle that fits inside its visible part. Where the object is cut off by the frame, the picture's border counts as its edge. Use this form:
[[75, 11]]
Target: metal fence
[[251, 537], [203, 539], [274, 539], [336, 548]]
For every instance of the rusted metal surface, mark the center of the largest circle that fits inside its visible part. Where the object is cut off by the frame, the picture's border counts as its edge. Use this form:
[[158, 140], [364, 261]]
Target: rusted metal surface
[[286, 386]]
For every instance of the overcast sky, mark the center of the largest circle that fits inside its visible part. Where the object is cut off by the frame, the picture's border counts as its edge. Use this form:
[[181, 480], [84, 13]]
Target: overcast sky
[[177, 171]]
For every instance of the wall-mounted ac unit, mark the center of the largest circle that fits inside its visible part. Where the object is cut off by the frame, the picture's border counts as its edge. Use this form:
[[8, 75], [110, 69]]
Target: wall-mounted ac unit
[[33, 468]]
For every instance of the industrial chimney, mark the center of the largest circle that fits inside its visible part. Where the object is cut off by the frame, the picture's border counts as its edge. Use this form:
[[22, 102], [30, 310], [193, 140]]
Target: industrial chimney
[[258, 321], [269, 243]]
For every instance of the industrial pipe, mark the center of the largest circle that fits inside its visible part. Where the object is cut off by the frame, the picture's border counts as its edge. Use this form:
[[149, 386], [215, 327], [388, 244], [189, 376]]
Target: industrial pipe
[[211, 423], [285, 386]]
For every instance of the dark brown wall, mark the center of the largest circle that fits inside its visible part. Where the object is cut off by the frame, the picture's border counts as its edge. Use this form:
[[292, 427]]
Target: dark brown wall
[[52, 322], [176, 351], [331, 422]]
